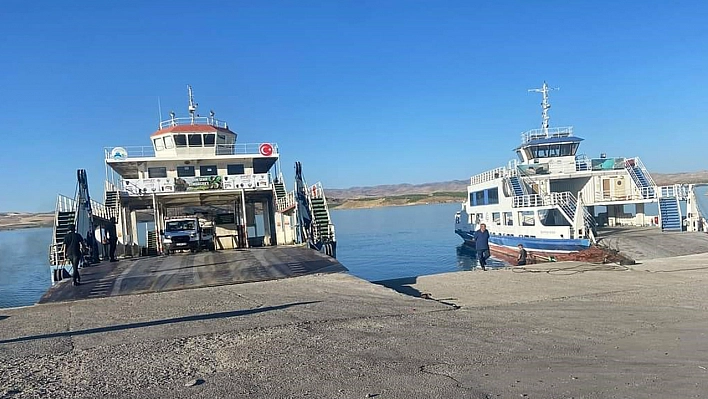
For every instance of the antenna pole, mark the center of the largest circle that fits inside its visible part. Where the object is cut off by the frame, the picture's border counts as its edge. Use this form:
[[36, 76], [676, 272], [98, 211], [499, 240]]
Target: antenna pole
[[545, 105], [159, 112], [192, 105]]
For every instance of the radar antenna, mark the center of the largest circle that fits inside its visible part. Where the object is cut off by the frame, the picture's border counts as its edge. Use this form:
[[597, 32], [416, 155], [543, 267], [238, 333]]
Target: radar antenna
[[192, 105], [545, 105]]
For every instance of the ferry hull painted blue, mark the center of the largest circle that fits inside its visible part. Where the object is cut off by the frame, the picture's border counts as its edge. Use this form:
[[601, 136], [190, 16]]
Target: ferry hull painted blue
[[549, 245]]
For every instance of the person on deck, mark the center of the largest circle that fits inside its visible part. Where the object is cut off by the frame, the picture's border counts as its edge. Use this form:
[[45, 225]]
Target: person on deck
[[521, 259], [112, 239], [481, 244], [73, 243]]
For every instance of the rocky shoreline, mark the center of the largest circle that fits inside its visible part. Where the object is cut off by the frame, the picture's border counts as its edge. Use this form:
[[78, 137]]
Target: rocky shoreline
[[25, 220]]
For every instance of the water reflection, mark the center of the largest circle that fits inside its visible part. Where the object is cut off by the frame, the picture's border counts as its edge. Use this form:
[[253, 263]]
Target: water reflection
[[467, 259]]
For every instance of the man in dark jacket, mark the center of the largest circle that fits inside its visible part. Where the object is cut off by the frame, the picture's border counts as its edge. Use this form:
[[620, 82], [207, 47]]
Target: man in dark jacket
[[481, 244], [112, 239], [73, 243]]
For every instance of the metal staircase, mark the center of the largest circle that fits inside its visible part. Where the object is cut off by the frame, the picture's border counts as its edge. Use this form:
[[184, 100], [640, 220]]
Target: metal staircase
[[279, 188], [641, 177], [112, 203], [670, 214], [517, 185], [568, 204], [314, 223], [78, 211], [323, 228]]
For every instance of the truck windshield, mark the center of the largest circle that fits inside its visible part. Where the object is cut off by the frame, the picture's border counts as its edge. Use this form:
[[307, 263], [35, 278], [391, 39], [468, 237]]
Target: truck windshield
[[180, 225]]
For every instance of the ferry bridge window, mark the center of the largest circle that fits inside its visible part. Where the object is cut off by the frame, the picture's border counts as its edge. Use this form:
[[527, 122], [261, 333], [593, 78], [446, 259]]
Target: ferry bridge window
[[157, 172], [169, 143], [209, 140], [566, 150], [493, 196], [207, 170], [554, 150], [180, 140], [185, 171], [195, 140], [159, 144], [234, 169]]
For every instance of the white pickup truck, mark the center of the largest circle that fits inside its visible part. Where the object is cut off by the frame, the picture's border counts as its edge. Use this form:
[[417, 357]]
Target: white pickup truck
[[187, 233]]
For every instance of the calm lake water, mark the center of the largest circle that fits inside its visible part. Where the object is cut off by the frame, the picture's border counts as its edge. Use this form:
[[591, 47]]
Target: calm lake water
[[374, 244]]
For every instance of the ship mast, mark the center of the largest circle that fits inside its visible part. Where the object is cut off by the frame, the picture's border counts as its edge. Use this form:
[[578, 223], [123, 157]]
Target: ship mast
[[545, 105], [192, 105]]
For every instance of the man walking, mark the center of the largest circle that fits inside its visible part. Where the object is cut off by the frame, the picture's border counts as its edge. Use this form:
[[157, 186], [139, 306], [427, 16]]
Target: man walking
[[112, 239], [73, 243], [481, 244]]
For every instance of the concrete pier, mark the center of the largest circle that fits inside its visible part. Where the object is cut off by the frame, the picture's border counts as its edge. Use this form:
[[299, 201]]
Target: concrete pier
[[556, 330]]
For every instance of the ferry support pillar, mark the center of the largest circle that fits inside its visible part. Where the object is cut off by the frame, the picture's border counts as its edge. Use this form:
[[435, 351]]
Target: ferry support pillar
[[133, 227], [640, 216], [269, 223], [612, 215]]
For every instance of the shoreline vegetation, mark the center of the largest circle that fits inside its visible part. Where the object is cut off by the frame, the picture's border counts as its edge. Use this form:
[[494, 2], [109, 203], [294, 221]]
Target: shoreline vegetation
[[453, 191]]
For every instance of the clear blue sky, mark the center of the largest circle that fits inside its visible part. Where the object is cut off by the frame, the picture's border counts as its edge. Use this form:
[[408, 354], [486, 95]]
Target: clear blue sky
[[362, 92]]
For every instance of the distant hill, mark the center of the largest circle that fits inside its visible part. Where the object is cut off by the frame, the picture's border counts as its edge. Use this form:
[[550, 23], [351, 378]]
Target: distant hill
[[25, 220]]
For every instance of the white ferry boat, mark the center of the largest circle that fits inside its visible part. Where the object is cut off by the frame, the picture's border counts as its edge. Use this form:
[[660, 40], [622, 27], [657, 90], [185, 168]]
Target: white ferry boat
[[233, 196], [552, 198]]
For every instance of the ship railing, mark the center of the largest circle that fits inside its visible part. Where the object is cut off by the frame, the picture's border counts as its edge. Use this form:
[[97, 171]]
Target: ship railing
[[186, 151], [287, 202], [138, 187], [582, 162], [532, 200], [681, 191], [536, 134], [644, 193], [197, 120], [490, 175]]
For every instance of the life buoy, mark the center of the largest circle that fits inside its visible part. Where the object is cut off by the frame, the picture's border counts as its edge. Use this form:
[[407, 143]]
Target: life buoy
[[266, 149]]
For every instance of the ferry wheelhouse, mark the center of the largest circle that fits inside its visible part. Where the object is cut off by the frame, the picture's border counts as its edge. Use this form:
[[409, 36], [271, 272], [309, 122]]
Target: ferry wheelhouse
[[195, 167], [552, 198]]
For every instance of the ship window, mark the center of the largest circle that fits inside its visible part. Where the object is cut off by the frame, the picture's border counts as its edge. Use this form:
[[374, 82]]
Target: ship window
[[518, 154], [209, 140], [195, 140], [180, 140], [554, 150], [157, 172], [159, 144], [566, 150], [207, 170], [234, 169], [479, 198], [185, 171], [493, 196], [526, 218], [507, 219], [496, 218], [169, 143]]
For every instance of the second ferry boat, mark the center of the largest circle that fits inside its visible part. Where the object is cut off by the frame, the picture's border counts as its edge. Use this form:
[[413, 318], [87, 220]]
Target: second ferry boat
[[551, 198]]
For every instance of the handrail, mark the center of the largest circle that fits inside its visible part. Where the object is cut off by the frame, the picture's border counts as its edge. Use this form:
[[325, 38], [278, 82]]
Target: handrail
[[545, 133], [146, 151], [489, 175], [197, 120]]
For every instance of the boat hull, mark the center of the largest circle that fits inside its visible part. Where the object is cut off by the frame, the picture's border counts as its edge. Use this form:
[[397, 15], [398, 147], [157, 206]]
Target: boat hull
[[545, 246]]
